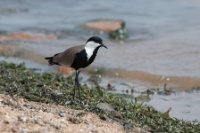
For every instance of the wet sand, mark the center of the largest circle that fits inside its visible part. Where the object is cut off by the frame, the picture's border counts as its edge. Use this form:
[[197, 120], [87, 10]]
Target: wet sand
[[155, 81]]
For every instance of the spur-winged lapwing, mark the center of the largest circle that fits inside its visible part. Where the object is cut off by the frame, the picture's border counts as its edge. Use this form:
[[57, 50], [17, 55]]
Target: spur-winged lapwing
[[78, 57]]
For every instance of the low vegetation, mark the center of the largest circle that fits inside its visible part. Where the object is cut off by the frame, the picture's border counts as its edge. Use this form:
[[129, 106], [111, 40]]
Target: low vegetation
[[55, 88]]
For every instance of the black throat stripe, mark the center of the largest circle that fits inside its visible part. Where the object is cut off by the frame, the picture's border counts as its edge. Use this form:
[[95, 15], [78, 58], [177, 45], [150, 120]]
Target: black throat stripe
[[81, 61]]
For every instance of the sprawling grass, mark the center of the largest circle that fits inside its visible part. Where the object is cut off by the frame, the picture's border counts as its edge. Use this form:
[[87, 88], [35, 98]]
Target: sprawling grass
[[54, 88]]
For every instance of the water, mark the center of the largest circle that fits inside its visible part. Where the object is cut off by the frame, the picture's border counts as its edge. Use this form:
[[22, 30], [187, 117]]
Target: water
[[164, 37], [163, 34], [184, 105], [144, 18]]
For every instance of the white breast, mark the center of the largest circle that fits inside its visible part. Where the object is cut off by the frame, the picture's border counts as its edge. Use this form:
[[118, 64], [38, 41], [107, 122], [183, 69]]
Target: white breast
[[89, 52], [90, 47]]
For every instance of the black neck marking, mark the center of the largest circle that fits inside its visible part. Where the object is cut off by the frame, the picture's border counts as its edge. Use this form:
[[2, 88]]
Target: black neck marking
[[91, 59], [81, 60]]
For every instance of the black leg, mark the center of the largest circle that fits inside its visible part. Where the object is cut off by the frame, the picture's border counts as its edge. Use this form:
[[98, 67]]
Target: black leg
[[77, 82], [76, 85], [74, 93]]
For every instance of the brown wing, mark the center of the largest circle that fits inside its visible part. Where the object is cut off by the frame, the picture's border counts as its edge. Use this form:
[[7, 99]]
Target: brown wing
[[66, 58]]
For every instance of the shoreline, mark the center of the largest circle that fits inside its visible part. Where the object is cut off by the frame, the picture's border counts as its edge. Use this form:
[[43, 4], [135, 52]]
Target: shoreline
[[146, 79], [51, 88], [150, 80]]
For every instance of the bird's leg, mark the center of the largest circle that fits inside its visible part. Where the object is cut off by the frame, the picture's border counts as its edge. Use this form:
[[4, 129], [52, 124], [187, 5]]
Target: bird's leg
[[77, 83], [76, 86], [74, 93]]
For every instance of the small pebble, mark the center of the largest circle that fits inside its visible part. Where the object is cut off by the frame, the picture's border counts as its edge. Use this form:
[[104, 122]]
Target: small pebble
[[61, 114], [22, 119]]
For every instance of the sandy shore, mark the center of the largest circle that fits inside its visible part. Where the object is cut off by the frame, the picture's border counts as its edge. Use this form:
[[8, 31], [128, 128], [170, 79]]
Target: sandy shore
[[20, 115]]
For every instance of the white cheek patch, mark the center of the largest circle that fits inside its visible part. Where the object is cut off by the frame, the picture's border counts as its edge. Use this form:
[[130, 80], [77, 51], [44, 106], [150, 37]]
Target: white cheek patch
[[89, 48], [89, 52]]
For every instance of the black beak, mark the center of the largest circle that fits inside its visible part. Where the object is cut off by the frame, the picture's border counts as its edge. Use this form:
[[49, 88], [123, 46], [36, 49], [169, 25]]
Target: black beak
[[102, 45]]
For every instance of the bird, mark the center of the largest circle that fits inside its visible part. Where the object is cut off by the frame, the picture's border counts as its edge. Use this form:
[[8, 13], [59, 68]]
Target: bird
[[78, 57]]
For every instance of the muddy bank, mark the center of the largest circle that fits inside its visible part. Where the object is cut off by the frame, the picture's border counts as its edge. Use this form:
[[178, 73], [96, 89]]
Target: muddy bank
[[150, 80]]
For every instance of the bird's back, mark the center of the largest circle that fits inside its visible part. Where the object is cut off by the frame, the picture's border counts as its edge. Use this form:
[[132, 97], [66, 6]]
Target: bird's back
[[67, 57]]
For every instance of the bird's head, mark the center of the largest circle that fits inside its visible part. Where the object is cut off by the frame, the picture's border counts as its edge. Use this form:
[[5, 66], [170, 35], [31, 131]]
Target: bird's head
[[95, 42]]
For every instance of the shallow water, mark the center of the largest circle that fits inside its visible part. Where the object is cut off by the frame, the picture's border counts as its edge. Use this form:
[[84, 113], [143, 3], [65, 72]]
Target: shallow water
[[163, 38], [183, 105], [164, 34], [142, 16]]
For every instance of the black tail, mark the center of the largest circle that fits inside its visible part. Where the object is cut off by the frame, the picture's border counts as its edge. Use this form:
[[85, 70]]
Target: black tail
[[50, 60]]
